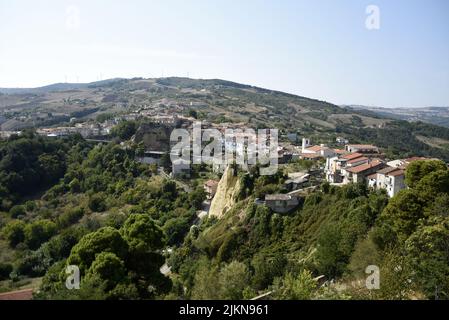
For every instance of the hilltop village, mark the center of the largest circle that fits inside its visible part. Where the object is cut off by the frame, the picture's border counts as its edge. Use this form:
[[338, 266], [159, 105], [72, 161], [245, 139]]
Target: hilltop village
[[332, 200], [345, 188], [340, 164]]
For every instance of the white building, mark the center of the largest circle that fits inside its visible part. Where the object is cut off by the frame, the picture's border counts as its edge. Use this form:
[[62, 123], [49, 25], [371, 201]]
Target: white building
[[335, 165], [362, 148], [317, 151], [341, 140], [361, 172], [305, 145], [390, 178], [395, 182]]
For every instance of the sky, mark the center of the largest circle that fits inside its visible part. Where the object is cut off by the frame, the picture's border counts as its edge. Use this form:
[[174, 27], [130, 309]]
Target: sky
[[341, 51]]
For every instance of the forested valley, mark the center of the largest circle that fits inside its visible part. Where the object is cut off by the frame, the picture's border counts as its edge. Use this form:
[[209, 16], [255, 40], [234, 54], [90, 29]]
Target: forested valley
[[69, 202]]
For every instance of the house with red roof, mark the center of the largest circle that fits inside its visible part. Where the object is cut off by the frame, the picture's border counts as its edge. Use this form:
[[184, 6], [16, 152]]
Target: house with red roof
[[334, 165], [392, 179], [210, 187], [314, 152], [359, 173]]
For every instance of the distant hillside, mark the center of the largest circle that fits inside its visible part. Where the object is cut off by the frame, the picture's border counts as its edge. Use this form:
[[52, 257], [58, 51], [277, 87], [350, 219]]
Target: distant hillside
[[221, 101], [434, 115], [55, 87]]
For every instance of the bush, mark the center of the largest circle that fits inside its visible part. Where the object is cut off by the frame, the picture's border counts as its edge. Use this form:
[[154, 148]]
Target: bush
[[33, 264], [97, 203], [176, 229], [124, 130], [301, 287], [5, 270], [14, 232], [70, 217], [17, 211], [233, 278], [39, 232]]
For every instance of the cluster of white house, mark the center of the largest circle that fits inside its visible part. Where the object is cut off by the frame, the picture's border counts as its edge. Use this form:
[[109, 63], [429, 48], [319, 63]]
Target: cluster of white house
[[85, 129], [358, 167], [360, 163], [356, 163]]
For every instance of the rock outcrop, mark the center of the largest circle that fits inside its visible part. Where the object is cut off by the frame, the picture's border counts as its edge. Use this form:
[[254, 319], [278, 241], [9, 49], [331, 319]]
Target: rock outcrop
[[226, 195]]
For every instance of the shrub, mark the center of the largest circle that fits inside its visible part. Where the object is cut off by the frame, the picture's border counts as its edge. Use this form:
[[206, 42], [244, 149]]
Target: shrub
[[70, 217], [5, 270], [39, 232], [17, 211], [97, 203], [14, 233]]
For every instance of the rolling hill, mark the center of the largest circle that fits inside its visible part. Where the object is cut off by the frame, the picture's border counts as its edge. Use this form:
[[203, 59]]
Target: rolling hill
[[220, 101], [434, 115]]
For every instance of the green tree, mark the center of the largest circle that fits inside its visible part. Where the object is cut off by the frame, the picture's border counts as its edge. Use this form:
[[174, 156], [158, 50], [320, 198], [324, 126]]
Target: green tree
[[428, 250], [197, 197], [69, 217], [124, 130], [206, 286], [14, 232], [5, 270], [106, 239], [52, 167], [233, 279], [395, 278], [109, 268], [432, 184], [301, 287], [97, 202], [330, 256], [142, 234], [403, 213], [17, 211], [418, 169], [267, 268], [175, 230], [39, 232], [75, 185]]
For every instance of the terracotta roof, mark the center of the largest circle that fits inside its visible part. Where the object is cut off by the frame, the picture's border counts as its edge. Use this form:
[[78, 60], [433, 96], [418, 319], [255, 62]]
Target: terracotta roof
[[26, 294], [211, 183], [315, 148], [351, 156], [311, 155], [357, 160], [339, 151], [363, 146], [364, 167], [396, 173]]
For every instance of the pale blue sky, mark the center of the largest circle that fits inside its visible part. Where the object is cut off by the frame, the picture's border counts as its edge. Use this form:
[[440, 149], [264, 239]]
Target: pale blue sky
[[319, 49]]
